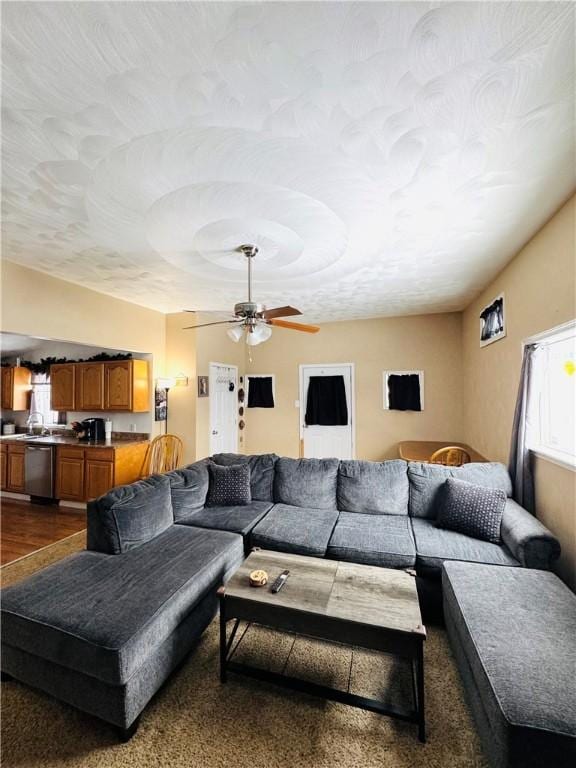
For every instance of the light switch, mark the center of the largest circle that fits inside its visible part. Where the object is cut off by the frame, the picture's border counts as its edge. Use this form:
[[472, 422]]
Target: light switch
[[296, 403]]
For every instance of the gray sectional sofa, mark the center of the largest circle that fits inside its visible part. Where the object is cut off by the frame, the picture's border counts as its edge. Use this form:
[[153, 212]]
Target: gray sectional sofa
[[103, 629]]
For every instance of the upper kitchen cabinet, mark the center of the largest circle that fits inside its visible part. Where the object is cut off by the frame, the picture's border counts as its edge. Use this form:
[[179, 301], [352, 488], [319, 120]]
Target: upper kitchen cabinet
[[119, 385], [63, 387], [89, 386], [16, 386], [126, 386]]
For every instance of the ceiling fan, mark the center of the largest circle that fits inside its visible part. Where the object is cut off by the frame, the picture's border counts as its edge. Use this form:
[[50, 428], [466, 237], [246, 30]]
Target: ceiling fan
[[253, 320]]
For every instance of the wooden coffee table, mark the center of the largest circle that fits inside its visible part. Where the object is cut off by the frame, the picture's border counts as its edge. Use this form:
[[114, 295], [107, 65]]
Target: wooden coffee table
[[356, 605]]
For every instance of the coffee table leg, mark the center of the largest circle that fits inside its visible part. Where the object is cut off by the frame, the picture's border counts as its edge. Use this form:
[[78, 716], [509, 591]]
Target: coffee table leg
[[420, 686], [223, 644]]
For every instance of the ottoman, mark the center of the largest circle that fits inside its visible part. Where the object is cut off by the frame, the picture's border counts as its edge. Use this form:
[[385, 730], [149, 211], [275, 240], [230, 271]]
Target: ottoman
[[513, 631]]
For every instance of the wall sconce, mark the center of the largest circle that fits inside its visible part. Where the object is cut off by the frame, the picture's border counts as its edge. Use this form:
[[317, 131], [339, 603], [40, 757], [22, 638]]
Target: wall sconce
[[181, 380]]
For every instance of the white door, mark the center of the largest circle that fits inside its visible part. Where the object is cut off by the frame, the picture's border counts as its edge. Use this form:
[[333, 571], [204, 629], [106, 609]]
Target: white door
[[223, 392], [327, 441]]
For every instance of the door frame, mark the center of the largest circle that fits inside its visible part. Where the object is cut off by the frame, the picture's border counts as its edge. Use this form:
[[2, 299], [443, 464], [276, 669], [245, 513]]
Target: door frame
[[211, 402], [302, 409]]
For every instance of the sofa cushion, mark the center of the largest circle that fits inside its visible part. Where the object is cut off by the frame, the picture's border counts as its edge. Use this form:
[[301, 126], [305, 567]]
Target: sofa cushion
[[306, 482], [435, 545], [471, 509], [229, 486], [129, 515], [189, 488], [238, 519], [302, 530], [515, 651], [426, 481], [261, 471], [103, 615], [373, 487], [384, 540]]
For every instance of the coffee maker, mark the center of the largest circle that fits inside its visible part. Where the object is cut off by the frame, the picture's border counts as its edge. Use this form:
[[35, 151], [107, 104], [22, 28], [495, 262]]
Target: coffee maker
[[93, 430]]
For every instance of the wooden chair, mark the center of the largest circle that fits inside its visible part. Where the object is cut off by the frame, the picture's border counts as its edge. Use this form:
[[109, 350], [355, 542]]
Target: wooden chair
[[163, 455], [450, 456]]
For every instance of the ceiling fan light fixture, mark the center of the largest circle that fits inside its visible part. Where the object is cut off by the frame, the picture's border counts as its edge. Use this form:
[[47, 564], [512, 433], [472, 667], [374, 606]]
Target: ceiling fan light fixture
[[260, 333], [235, 333]]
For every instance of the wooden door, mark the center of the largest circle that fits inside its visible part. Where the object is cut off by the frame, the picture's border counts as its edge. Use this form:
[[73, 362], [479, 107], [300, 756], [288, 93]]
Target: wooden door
[[90, 386], [3, 463], [118, 386], [15, 471], [99, 477], [7, 388], [62, 387], [70, 478]]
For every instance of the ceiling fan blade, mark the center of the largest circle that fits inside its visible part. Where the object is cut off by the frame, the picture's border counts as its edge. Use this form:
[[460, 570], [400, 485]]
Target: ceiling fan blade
[[294, 326], [209, 311], [268, 314], [204, 325]]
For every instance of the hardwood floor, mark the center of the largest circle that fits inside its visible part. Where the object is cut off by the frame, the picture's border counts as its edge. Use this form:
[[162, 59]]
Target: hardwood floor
[[26, 527]]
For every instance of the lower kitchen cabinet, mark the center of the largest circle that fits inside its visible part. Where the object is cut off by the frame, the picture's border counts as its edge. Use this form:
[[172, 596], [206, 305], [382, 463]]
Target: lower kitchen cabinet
[[70, 474], [12, 468], [86, 473]]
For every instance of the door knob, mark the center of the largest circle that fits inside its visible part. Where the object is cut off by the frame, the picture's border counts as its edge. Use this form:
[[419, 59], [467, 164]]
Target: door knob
[[214, 431]]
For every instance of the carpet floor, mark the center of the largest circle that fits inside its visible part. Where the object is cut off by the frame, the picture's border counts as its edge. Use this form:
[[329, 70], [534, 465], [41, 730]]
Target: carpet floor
[[195, 722]]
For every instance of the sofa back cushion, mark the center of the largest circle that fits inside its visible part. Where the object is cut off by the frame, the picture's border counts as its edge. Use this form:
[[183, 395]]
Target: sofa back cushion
[[189, 488], [261, 471], [130, 515], [426, 481], [373, 487], [306, 482]]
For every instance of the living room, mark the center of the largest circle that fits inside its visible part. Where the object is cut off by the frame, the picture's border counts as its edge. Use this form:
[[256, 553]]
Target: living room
[[457, 279]]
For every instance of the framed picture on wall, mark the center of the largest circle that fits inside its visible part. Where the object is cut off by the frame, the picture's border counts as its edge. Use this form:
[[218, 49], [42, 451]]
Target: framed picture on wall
[[493, 321], [203, 386]]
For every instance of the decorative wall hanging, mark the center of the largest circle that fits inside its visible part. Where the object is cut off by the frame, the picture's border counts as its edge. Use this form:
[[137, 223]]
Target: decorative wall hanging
[[261, 391], [241, 424], [203, 386], [160, 404], [403, 390], [241, 395], [492, 321]]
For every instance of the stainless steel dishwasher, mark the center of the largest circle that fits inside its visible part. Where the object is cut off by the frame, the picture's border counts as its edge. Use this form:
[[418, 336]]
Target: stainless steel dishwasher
[[39, 471]]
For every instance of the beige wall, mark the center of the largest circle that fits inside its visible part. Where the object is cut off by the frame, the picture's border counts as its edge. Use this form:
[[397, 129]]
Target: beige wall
[[540, 290], [431, 343], [36, 304], [181, 359]]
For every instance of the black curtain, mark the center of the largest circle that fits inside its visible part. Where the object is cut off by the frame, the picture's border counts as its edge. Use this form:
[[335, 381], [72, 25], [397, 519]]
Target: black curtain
[[260, 393], [326, 402], [404, 392]]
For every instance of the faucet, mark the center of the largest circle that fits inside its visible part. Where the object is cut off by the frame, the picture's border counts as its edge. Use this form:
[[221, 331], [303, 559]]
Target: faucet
[[32, 419]]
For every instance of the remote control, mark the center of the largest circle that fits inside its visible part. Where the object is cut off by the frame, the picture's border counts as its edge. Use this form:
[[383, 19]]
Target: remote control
[[279, 582]]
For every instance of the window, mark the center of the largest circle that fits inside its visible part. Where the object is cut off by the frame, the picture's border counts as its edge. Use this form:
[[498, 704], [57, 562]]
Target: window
[[555, 406], [40, 401]]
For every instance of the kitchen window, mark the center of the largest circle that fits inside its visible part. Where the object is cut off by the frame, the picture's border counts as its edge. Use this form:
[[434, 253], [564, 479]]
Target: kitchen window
[[40, 402], [554, 380]]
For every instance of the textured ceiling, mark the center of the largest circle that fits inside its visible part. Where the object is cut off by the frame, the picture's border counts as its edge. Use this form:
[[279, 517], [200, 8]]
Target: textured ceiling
[[388, 158]]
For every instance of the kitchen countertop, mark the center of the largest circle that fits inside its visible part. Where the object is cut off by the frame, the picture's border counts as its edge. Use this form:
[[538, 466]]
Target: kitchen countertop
[[65, 440]]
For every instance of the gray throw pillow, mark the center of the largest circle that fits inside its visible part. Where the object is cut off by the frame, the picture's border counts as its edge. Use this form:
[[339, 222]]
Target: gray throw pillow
[[229, 486], [471, 509]]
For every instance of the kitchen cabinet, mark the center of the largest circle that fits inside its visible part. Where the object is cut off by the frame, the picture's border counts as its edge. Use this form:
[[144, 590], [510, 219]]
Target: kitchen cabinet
[[126, 386], [15, 469], [89, 386], [15, 389], [70, 474], [3, 466], [119, 385], [63, 387], [84, 473]]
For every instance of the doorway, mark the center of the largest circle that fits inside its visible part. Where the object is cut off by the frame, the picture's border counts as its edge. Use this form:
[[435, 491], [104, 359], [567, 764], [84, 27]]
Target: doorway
[[223, 392], [322, 440]]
